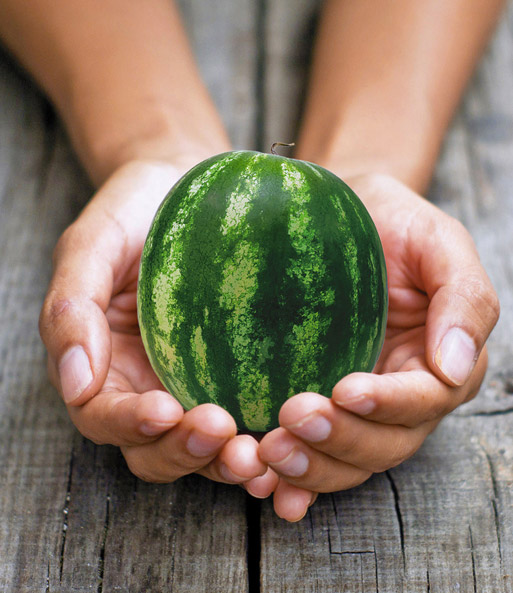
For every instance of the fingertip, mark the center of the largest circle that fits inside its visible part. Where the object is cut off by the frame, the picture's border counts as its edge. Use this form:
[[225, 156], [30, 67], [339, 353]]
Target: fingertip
[[75, 375], [212, 419], [158, 412], [290, 502], [241, 454], [77, 337], [262, 486], [456, 356], [209, 428], [299, 406], [354, 393], [276, 444], [355, 382]]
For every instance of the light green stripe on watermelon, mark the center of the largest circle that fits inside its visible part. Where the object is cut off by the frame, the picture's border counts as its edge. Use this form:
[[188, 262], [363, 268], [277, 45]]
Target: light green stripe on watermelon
[[168, 314], [199, 352], [374, 279], [240, 200], [374, 295], [306, 268], [237, 292], [351, 265]]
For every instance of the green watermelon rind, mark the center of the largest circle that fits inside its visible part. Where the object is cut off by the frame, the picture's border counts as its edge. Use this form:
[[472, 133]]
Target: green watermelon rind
[[261, 277]]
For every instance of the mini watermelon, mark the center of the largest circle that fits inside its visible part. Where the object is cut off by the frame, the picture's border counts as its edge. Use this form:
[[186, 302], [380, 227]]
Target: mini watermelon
[[262, 276]]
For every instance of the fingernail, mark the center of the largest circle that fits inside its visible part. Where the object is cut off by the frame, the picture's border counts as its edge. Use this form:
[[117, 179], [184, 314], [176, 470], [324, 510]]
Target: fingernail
[[154, 428], [456, 355], [254, 486], [313, 428], [358, 403], [229, 476], [75, 373], [202, 445], [294, 465]]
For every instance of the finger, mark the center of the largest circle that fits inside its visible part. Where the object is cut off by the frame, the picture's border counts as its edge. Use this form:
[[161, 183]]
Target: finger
[[463, 308], [72, 321], [408, 398], [91, 262], [126, 419], [185, 449], [326, 428], [291, 502], [237, 462], [262, 486], [306, 467]]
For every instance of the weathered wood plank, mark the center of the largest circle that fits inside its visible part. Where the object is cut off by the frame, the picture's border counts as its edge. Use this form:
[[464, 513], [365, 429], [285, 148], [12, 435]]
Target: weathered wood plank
[[34, 431], [442, 521], [224, 39], [72, 518]]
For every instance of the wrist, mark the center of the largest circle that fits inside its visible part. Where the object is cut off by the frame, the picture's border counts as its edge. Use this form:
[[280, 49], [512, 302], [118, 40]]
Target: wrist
[[105, 143], [383, 147]]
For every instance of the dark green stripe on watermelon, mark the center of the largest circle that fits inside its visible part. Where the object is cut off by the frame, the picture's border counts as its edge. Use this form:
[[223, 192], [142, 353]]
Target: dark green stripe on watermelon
[[261, 277]]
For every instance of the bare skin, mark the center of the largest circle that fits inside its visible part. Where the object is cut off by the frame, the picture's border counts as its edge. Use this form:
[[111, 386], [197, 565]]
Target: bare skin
[[396, 70]]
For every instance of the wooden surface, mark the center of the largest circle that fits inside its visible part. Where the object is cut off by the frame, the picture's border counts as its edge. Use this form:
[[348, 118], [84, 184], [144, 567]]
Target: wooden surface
[[73, 519]]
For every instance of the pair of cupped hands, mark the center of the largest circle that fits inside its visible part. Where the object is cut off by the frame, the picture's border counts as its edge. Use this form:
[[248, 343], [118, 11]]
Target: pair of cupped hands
[[442, 308]]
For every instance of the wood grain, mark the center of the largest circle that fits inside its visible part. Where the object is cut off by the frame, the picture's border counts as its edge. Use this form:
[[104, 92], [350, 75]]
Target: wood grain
[[441, 522], [72, 518]]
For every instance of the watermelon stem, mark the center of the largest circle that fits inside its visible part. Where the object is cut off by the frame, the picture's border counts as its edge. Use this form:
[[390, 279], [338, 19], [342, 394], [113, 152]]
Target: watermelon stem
[[281, 144]]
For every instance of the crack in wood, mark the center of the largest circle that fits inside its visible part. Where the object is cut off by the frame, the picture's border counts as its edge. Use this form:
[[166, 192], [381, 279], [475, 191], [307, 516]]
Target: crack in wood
[[101, 562], [473, 559], [47, 590], [502, 412], [398, 513], [254, 550], [376, 566], [495, 489], [335, 513], [260, 75], [353, 552], [65, 512]]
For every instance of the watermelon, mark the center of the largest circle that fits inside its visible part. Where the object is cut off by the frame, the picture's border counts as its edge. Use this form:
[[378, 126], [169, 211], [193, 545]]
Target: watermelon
[[262, 276]]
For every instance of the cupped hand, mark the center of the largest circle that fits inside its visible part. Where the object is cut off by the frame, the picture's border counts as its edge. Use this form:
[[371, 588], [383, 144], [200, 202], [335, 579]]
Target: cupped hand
[[442, 308], [96, 357]]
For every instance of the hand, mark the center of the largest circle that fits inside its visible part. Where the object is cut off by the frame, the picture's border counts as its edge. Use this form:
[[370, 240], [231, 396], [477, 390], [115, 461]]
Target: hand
[[441, 311], [95, 354]]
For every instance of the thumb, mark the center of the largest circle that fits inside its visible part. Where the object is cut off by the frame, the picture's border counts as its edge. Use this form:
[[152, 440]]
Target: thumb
[[93, 255], [463, 308], [72, 324]]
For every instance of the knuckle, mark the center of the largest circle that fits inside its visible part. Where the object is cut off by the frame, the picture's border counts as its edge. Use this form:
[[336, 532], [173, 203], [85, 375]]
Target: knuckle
[[345, 481], [438, 408], [140, 472], [54, 309], [144, 473], [402, 450], [89, 434], [482, 298], [351, 444]]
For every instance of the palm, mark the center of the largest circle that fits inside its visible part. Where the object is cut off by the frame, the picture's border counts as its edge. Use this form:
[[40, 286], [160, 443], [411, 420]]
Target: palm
[[403, 348], [130, 370]]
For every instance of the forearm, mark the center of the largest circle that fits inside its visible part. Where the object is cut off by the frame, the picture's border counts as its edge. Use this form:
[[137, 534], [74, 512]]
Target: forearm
[[386, 79], [122, 76]]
